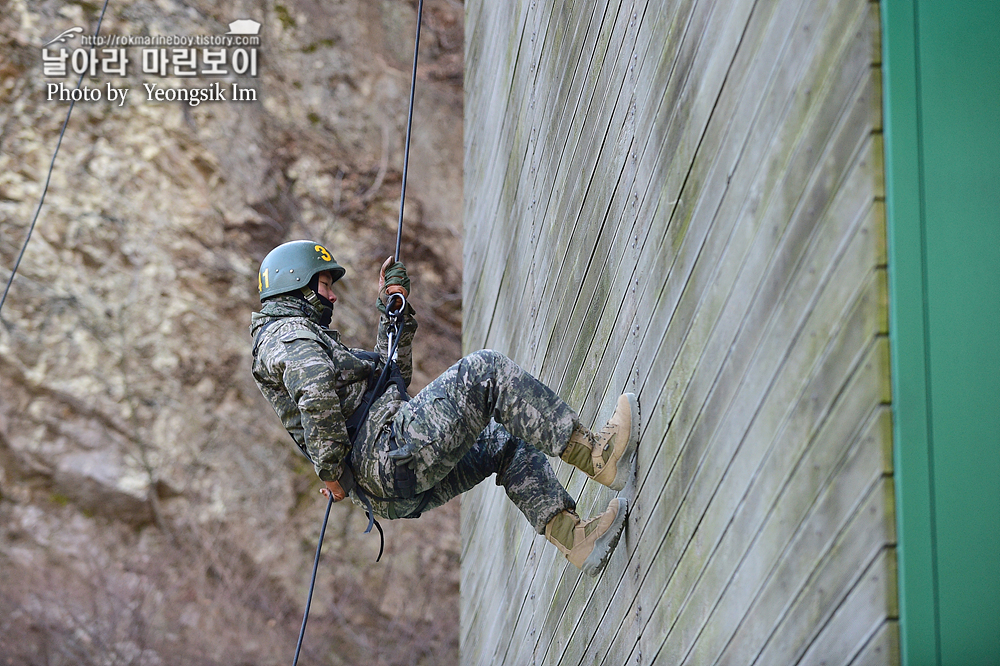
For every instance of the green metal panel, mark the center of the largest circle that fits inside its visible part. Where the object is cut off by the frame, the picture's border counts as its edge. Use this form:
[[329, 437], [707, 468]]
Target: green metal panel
[[942, 105], [917, 603], [960, 108]]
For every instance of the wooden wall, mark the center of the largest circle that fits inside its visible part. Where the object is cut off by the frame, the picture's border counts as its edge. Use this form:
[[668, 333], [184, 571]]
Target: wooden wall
[[684, 198]]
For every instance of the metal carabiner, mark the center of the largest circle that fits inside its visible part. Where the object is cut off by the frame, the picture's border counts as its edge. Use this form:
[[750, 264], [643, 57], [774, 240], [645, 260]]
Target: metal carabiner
[[398, 312], [391, 335], [395, 328]]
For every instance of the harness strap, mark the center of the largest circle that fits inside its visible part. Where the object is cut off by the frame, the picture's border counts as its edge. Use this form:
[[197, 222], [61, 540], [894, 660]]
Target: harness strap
[[390, 374], [377, 386], [371, 520]]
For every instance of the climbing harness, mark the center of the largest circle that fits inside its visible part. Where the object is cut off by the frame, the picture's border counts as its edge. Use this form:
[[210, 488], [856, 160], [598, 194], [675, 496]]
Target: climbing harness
[[391, 374], [52, 165], [395, 306]]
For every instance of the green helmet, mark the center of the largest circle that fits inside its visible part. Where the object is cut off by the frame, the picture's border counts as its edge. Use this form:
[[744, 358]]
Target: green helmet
[[290, 266]]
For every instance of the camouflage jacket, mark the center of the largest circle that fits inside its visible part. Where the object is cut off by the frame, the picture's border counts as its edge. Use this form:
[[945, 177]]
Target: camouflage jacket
[[315, 383]]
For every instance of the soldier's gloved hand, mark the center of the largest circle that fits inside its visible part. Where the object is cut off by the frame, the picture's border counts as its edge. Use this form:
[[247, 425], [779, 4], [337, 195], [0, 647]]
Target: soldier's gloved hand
[[393, 280], [405, 455], [333, 488]]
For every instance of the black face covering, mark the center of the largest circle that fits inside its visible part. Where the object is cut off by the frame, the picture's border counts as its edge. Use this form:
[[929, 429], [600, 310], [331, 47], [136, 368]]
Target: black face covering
[[326, 316], [326, 311]]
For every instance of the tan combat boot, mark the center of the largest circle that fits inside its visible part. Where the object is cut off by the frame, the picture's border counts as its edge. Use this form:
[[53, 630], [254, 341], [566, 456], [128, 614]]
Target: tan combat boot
[[604, 456], [588, 545]]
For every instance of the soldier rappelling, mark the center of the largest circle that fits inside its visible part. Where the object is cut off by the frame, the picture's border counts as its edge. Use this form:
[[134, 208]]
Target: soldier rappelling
[[483, 416]]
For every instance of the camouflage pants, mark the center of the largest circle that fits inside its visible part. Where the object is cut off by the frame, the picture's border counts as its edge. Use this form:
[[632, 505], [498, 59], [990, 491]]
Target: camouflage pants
[[483, 416]]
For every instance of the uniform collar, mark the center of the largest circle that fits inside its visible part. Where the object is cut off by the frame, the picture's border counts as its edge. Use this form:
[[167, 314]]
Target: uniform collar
[[290, 306]]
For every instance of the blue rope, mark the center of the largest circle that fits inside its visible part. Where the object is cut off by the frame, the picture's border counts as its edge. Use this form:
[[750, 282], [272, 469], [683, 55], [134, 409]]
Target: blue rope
[[409, 125], [312, 583]]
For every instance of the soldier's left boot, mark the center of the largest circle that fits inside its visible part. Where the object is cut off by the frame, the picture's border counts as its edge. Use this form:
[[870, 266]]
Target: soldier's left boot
[[604, 456], [588, 544]]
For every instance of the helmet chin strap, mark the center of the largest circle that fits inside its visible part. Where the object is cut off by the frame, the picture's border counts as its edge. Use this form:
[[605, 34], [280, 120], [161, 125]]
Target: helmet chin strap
[[322, 305], [312, 297]]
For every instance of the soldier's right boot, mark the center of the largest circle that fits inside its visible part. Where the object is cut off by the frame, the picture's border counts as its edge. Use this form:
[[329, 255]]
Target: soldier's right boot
[[604, 456], [588, 544]]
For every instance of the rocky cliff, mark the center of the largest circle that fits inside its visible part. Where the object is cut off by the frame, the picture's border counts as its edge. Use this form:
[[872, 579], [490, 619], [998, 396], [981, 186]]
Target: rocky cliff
[[152, 509]]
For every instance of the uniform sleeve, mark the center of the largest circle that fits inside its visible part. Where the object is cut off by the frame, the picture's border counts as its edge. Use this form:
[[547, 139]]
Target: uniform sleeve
[[309, 377], [404, 353]]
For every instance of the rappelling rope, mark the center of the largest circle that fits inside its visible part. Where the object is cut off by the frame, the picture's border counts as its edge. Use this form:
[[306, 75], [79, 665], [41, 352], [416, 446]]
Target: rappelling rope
[[312, 584], [395, 320], [409, 127], [52, 165]]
